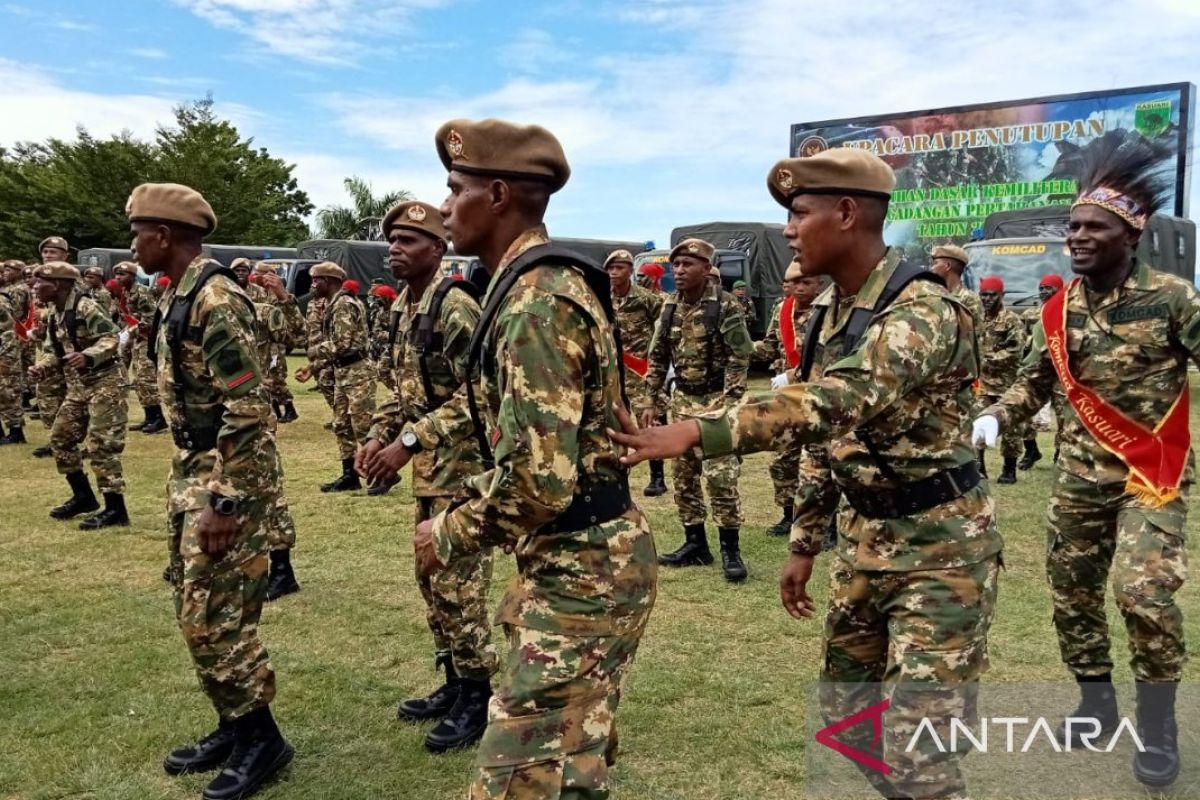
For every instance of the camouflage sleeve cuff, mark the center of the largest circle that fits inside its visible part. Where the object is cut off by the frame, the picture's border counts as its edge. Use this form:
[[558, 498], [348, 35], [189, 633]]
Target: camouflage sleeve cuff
[[716, 436], [997, 410], [803, 543], [426, 432], [443, 542]]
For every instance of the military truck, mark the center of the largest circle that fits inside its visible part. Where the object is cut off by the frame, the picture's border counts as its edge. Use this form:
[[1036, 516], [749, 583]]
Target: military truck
[[365, 262], [108, 257], [1023, 245]]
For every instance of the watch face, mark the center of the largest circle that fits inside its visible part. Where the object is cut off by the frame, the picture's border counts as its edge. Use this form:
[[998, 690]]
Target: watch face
[[408, 439]]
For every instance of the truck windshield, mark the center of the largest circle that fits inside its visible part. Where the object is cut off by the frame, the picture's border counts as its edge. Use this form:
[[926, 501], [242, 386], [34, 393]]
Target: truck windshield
[[1021, 263]]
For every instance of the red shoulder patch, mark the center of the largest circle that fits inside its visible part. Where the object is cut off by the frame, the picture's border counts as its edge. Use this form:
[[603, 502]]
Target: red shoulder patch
[[239, 380]]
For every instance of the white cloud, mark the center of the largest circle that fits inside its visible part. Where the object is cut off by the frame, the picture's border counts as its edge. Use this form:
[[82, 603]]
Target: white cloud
[[152, 53], [329, 32], [73, 25]]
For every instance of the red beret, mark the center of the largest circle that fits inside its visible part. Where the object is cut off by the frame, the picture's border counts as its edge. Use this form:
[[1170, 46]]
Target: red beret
[[992, 283], [1051, 280], [113, 285], [163, 280], [652, 270], [383, 290], [351, 286]]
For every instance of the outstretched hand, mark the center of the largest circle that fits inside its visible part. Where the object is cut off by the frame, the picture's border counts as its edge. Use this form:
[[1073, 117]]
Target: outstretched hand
[[646, 444]]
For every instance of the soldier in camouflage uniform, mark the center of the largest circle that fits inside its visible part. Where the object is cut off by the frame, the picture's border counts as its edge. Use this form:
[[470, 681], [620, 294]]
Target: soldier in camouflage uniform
[[1048, 286], [433, 322], [1002, 342], [81, 344], [222, 479], [740, 291], [139, 303], [21, 297], [346, 347], [242, 269], [282, 324], [701, 331], [1122, 333], [949, 263], [379, 312], [914, 579], [785, 464], [637, 311], [51, 388], [313, 318], [12, 419], [93, 279], [557, 494]]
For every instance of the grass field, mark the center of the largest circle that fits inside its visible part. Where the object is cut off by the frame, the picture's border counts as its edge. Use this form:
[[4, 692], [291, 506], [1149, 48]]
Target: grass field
[[96, 685]]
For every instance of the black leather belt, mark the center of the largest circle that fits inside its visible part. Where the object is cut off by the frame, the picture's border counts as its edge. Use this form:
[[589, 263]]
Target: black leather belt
[[194, 438], [913, 498], [592, 505], [346, 359], [699, 387]]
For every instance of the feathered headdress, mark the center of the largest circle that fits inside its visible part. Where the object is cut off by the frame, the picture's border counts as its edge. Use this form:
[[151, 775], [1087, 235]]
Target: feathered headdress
[[1125, 175]]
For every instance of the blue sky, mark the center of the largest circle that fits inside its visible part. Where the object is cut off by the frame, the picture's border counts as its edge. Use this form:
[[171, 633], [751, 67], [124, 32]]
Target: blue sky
[[670, 112]]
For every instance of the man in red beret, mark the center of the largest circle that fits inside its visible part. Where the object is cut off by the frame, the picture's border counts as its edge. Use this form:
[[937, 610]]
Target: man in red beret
[[1048, 286], [1001, 343]]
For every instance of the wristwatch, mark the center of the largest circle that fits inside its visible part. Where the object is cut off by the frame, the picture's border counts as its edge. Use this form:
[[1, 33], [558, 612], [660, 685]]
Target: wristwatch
[[223, 505], [410, 442]]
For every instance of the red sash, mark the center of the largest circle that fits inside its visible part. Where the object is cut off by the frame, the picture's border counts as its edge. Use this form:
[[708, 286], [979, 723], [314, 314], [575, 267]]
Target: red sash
[[130, 319], [787, 332], [1156, 459], [23, 328], [638, 365]]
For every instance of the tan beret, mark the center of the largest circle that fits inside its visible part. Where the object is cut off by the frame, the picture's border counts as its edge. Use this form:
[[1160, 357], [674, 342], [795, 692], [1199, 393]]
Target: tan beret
[[263, 268], [839, 171], [125, 268], [504, 149], [951, 251], [328, 269], [94, 271], [414, 215], [619, 255], [54, 241], [793, 273], [13, 263], [238, 263], [171, 202], [696, 248], [57, 270]]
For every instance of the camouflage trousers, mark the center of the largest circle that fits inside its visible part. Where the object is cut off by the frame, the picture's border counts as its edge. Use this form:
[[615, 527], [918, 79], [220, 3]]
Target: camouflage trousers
[[1101, 532], [1013, 437], [456, 605], [551, 723], [99, 414], [327, 385], [143, 375], [276, 379], [918, 638], [278, 520], [785, 475], [11, 386], [353, 406], [720, 479], [217, 605], [50, 392]]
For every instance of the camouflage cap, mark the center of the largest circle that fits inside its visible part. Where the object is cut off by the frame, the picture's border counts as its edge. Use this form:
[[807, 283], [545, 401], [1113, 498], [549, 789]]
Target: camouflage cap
[[241, 263], [54, 241], [99, 273], [328, 269], [504, 149], [57, 271], [793, 272], [696, 248], [171, 202], [126, 268], [951, 251], [619, 256], [414, 215], [839, 171]]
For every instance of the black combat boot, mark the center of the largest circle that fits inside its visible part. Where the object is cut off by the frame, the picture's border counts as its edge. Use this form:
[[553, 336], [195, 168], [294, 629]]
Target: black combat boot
[[1158, 763], [464, 724], [693, 552], [145, 419], [348, 481], [282, 580], [209, 753], [15, 435], [1009, 473], [437, 704], [157, 422], [44, 451], [81, 500], [114, 513], [831, 535], [289, 412], [259, 752], [276, 410], [27, 401], [1097, 701], [657, 486], [1031, 457], [731, 556], [784, 526], [982, 463], [379, 489]]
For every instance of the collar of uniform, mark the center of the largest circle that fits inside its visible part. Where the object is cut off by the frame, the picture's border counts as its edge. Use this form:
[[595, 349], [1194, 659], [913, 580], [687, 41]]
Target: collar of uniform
[[1140, 279], [868, 293], [530, 238], [190, 274]]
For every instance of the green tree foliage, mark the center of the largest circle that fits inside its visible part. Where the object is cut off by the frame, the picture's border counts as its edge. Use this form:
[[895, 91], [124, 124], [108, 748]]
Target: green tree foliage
[[361, 219], [78, 188]]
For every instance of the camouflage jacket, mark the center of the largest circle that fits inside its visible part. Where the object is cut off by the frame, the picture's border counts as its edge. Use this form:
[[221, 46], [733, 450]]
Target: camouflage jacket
[[221, 380], [1030, 317], [748, 310], [95, 336], [1131, 346], [771, 346], [312, 320], [343, 332], [140, 303], [280, 324], [378, 318], [907, 385], [971, 300], [256, 293], [10, 345], [1002, 343], [720, 364], [637, 312], [546, 408], [21, 298], [440, 468], [104, 299]]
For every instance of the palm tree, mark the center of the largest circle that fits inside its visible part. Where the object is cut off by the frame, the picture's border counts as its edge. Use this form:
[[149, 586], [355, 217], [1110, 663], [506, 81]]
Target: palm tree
[[361, 221]]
